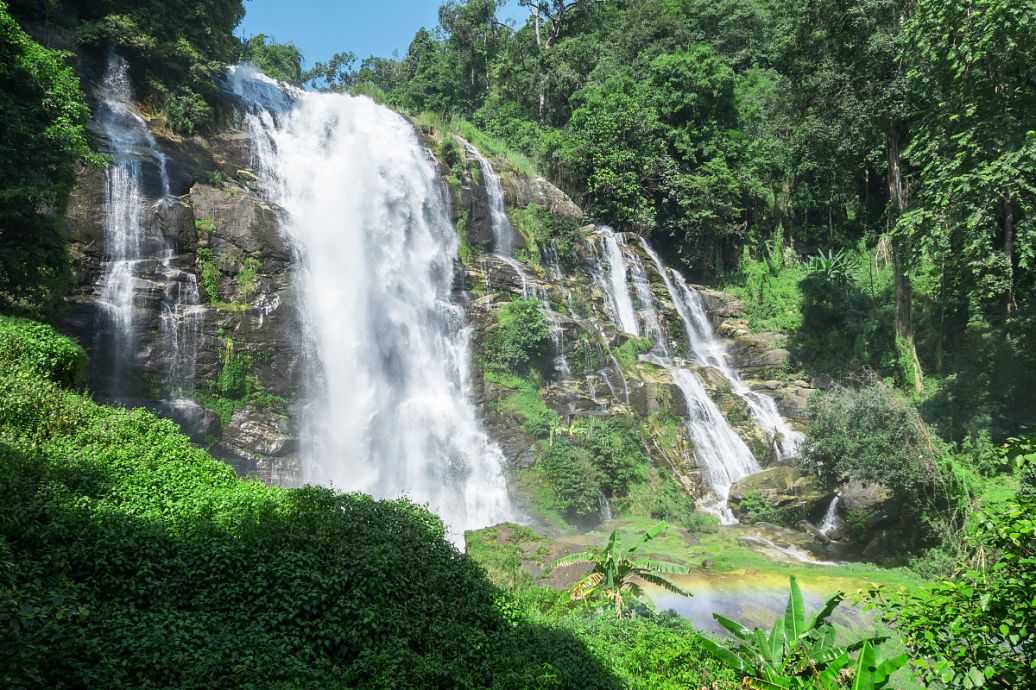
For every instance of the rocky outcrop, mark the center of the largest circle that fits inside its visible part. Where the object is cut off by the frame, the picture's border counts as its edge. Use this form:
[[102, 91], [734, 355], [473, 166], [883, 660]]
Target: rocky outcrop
[[783, 488], [218, 294]]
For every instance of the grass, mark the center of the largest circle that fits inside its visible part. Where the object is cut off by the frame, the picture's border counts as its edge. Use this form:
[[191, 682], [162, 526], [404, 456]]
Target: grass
[[503, 155]]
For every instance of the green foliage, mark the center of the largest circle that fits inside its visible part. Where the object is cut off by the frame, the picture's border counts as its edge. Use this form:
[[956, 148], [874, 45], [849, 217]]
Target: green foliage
[[545, 229], [802, 654], [278, 60], [573, 480], [615, 569], [835, 268], [978, 628], [175, 50], [753, 507], [133, 559], [876, 437], [43, 121], [32, 349], [536, 418], [630, 349], [872, 435], [770, 292], [209, 269], [520, 339], [616, 450]]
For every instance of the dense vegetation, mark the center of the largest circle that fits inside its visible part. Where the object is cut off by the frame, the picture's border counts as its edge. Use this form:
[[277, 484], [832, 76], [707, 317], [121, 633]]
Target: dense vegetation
[[894, 134], [116, 536], [44, 138]]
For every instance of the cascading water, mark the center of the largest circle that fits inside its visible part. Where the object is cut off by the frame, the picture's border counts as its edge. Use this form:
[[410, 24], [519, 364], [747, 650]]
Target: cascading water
[[140, 264], [388, 412], [613, 281], [503, 247], [831, 520], [503, 233], [722, 455], [710, 352]]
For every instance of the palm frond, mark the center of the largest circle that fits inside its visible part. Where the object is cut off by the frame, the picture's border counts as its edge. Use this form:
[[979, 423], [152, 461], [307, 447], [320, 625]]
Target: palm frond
[[572, 559], [664, 583], [661, 566]]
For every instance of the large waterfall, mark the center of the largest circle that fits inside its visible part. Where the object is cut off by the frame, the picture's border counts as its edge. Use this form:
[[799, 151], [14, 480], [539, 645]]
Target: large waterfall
[[388, 408]]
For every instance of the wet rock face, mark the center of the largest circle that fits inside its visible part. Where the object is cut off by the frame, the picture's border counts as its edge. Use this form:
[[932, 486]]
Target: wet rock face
[[218, 240]]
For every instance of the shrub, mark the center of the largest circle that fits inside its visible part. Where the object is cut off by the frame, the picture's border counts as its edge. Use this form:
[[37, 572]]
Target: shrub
[[874, 436], [573, 480], [978, 628], [519, 340], [616, 450], [130, 558], [37, 350]]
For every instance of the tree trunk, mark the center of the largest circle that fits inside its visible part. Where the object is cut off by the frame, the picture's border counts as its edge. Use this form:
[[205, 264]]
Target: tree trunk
[[909, 362], [1009, 253]]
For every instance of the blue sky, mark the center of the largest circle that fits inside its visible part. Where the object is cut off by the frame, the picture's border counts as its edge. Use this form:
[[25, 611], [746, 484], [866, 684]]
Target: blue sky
[[322, 28]]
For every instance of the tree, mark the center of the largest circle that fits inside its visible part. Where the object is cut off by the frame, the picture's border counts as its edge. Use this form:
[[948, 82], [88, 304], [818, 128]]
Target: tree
[[43, 129], [978, 629], [278, 60], [845, 61], [334, 75], [615, 571]]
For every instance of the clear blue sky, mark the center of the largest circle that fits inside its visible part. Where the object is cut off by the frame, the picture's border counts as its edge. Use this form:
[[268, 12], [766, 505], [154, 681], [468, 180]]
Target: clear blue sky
[[322, 28]]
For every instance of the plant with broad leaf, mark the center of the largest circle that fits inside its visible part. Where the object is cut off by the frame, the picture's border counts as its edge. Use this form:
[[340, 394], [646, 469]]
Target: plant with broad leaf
[[834, 267], [802, 654], [616, 571]]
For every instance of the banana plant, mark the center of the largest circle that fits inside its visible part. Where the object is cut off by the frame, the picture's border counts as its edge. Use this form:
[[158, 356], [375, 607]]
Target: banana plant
[[615, 571], [801, 653]]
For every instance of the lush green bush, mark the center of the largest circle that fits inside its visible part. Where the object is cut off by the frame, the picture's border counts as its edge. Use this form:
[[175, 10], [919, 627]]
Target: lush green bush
[[175, 48], [132, 559], [519, 340], [875, 436], [616, 450], [573, 479], [978, 628], [42, 120], [36, 350]]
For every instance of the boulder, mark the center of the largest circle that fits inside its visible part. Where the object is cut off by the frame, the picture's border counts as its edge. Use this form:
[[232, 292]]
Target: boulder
[[256, 431], [521, 191], [782, 486], [859, 496]]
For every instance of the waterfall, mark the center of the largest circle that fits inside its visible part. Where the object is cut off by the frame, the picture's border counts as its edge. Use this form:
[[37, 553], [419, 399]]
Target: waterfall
[[614, 283], [503, 233], [710, 352], [722, 456], [831, 519], [387, 371], [139, 263]]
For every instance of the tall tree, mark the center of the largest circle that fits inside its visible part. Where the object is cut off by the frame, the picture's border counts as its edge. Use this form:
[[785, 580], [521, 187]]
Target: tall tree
[[844, 58]]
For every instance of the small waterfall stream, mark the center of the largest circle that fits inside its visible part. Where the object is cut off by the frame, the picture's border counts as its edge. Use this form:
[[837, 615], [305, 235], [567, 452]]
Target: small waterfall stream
[[832, 520], [503, 234], [387, 409], [141, 274], [722, 454], [710, 352], [614, 280]]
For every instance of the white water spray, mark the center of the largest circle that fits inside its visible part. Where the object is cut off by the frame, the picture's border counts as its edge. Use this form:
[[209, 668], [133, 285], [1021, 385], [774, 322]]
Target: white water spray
[[388, 412]]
